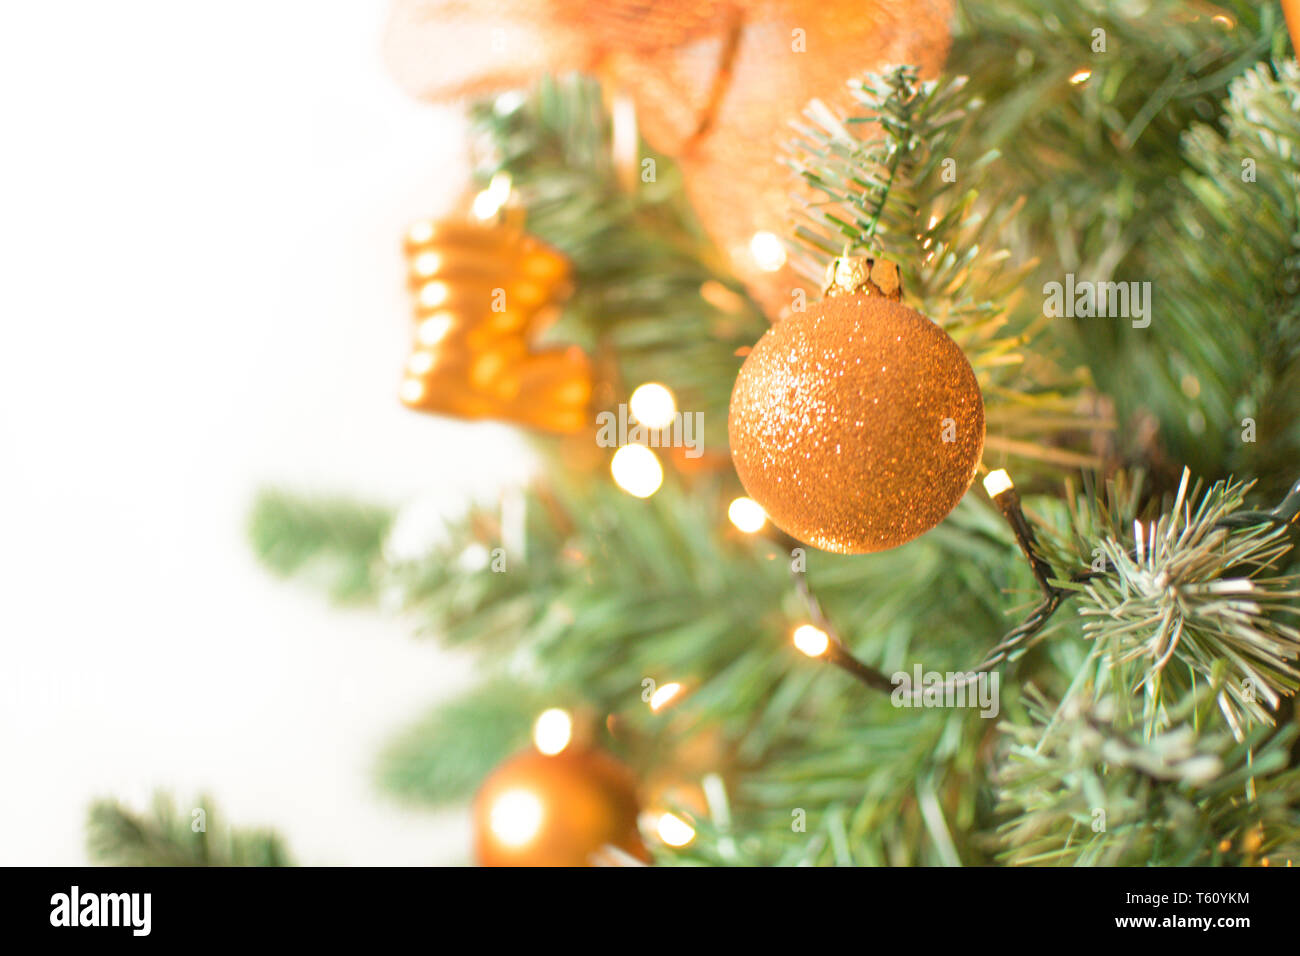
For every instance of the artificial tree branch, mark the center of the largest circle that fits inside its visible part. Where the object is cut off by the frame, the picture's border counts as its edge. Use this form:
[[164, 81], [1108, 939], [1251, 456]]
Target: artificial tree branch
[[1002, 492], [836, 652]]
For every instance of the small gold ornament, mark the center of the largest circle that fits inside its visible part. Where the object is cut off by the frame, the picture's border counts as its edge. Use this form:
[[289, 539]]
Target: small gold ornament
[[482, 292], [559, 810], [857, 424]]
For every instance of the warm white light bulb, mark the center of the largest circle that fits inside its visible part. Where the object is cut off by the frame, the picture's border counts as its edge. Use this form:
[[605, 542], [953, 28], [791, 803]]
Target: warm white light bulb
[[508, 102], [662, 696], [489, 202], [997, 482], [552, 731], [747, 515], [813, 641], [653, 405], [637, 471], [767, 250], [675, 831]]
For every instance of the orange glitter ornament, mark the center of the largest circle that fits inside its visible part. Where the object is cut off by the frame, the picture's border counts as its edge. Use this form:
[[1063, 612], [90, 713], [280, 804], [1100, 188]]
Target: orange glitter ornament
[[857, 424]]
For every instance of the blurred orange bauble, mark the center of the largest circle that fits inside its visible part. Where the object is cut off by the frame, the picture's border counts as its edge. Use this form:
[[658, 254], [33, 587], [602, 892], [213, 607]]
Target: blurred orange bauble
[[716, 84], [560, 810]]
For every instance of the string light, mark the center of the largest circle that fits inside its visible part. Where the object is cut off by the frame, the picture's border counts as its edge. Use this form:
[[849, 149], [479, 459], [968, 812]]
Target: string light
[[552, 731], [475, 557], [516, 817], [1003, 492], [653, 405], [508, 102], [768, 251], [675, 831], [1080, 76], [664, 695], [996, 482], [813, 641], [636, 470], [747, 515], [625, 141], [489, 202]]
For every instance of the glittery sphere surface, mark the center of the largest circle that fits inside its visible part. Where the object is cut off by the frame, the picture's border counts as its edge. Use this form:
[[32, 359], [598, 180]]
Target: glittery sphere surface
[[857, 424]]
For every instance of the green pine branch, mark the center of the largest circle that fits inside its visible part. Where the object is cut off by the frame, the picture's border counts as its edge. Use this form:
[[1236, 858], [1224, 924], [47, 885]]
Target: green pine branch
[[170, 836], [1083, 783], [446, 755], [331, 542], [895, 176], [640, 259], [1126, 147], [1223, 365]]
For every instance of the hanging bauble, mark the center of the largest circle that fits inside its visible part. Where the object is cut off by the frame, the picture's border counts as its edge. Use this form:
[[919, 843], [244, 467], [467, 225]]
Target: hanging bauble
[[556, 810], [857, 424]]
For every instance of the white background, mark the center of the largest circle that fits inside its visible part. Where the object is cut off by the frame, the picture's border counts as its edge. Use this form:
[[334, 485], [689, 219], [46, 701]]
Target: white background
[[200, 214]]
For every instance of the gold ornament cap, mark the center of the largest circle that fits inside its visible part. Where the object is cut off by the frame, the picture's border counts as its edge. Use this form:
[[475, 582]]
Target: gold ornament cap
[[863, 275]]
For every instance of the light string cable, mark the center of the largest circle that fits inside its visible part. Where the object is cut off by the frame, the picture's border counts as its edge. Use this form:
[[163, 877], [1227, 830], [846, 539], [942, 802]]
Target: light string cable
[[1003, 493]]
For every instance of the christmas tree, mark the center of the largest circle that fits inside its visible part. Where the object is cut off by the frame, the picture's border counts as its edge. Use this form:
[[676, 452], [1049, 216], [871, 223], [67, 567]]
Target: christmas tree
[[1091, 659]]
